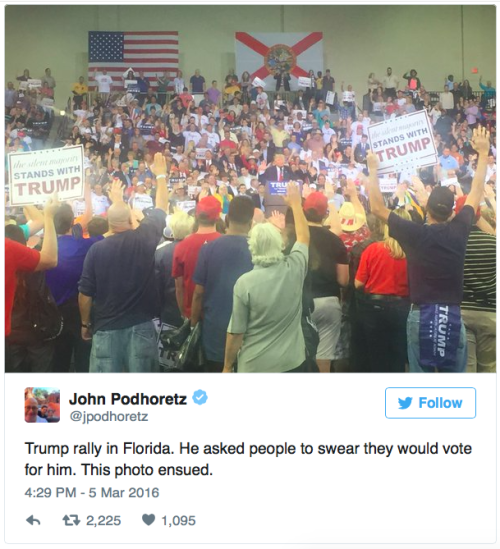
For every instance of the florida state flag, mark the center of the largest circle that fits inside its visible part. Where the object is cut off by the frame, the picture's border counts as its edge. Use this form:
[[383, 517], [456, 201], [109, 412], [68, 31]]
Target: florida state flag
[[264, 54]]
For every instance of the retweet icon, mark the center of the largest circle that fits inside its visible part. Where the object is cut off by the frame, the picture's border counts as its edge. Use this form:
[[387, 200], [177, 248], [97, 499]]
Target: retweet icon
[[404, 404]]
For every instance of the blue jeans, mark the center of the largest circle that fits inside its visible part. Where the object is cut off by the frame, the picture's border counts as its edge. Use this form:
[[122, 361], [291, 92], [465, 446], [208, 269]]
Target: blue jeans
[[413, 335], [133, 349]]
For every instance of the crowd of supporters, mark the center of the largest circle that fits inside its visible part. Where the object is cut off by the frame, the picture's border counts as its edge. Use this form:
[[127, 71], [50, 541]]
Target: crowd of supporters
[[177, 222]]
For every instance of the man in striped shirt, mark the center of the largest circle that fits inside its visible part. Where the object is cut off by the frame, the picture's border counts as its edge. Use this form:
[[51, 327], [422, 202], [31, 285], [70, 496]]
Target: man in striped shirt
[[479, 298]]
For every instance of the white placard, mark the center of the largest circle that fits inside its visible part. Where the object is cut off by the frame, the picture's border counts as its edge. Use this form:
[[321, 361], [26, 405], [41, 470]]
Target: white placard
[[193, 190], [258, 82], [131, 83], [34, 83], [186, 205], [403, 142], [388, 184], [303, 113], [200, 154], [23, 85], [449, 181], [35, 176], [304, 82], [330, 98], [348, 96]]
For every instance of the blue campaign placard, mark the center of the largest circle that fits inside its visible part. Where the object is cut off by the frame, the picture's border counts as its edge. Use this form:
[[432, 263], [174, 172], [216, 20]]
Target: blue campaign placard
[[277, 188]]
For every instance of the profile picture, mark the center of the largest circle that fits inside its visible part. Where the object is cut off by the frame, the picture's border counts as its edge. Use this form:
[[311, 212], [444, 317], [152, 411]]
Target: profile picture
[[41, 405]]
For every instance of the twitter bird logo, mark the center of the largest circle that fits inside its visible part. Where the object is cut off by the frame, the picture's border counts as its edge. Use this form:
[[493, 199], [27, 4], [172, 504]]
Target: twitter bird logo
[[404, 404]]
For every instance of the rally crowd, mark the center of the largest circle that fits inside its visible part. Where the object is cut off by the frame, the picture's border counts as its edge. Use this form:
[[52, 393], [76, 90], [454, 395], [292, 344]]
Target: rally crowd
[[178, 222]]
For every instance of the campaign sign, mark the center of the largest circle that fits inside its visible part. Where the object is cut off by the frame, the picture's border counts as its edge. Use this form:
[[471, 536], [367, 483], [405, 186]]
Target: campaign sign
[[403, 142], [347, 96], [258, 82], [304, 82], [449, 181], [186, 205], [277, 188], [34, 83], [330, 98], [388, 184], [36, 175], [200, 154]]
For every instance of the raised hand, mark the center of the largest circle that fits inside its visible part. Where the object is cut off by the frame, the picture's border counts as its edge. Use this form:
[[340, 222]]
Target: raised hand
[[350, 189], [277, 219], [293, 195], [372, 162], [51, 206], [160, 165], [329, 190], [481, 140], [306, 190], [115, 191]]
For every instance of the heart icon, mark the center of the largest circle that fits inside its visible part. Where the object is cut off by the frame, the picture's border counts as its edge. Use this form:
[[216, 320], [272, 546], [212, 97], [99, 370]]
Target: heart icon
[[148, 519]]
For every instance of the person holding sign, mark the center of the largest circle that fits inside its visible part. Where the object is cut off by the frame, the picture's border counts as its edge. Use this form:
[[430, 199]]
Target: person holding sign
[[436, 255]]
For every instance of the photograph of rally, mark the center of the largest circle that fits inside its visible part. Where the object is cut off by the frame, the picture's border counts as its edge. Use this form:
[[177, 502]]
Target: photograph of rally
[[193, 200]]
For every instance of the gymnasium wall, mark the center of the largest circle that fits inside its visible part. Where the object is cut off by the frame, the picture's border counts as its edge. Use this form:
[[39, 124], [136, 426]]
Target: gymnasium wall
[[435, 40]]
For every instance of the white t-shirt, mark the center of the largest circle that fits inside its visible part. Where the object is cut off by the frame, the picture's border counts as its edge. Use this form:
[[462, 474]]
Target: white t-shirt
[[78, 207], [327, 134], [262, 100], [104, 81], [191, 136], [100, 204]]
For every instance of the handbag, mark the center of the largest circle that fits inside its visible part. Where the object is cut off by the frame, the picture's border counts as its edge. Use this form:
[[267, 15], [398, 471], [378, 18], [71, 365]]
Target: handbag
[[174, 339], [190, 357]]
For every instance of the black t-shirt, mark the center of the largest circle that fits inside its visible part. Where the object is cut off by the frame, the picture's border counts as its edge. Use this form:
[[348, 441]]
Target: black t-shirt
[[326, 251], [197, 83], [119, 274], [435, 255]]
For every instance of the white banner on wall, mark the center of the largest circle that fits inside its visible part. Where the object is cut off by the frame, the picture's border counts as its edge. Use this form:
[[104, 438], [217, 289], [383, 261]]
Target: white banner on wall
[[36, 175], [403, 142]]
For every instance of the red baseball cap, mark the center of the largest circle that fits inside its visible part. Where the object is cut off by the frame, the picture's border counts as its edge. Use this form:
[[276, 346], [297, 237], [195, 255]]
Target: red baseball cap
[[209, 206], [316, 201]]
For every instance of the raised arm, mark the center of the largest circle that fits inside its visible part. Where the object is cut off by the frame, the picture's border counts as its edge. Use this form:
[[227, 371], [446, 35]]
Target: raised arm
[[377, 204], [35, 218], [481, 143], [352, 192], [48, 253], [87, 194], [159, 168], [294, 201]]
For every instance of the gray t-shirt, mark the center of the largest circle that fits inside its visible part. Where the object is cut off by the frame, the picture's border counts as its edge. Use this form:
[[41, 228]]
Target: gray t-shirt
[[267, 309]]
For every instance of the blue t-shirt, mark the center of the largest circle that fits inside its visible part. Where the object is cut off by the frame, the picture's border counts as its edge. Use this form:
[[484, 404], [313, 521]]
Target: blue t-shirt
[[220, 264], [71, 253]]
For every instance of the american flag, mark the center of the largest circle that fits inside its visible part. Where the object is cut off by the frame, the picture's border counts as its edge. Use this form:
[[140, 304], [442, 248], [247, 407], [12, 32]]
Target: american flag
[[153, 52]]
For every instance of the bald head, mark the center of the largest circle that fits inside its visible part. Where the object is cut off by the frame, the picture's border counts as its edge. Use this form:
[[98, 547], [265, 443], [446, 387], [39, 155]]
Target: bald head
[[31, 410], [119, 218]]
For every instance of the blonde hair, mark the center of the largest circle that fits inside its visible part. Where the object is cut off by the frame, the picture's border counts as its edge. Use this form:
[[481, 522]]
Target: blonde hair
[[391, 244], [181, 224], [266, 245]]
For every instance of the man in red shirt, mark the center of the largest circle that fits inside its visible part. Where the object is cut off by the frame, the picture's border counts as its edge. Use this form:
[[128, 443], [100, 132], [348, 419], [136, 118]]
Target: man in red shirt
[[21, 258], [186, 253]]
